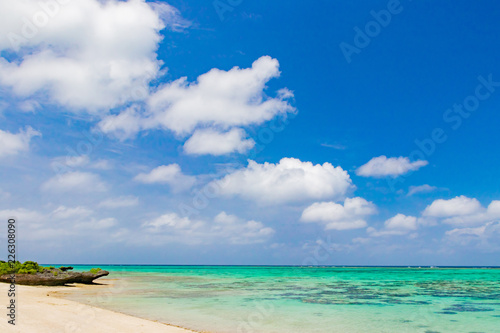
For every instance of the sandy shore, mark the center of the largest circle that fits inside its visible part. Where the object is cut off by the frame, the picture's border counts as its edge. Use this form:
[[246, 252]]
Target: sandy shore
[[40, 310]]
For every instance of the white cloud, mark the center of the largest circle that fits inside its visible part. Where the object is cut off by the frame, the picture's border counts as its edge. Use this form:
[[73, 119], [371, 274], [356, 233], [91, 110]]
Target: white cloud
[[70, 161], [335, 216], [290, 180], [170, 16], [395, 166], [75, 182], [97, 224], [62, 226], [95, 55], [102, 165], [120, 202], [476, 216], [224, 228], [167, 174], [224, 218], [215, 108], [172, 220], [457, 206], [485, 237], [336, 146], [238, 231], [420, 189], [219, 98], [63, 212], [398, 225], [64, 164], [29, 106], [494, 208], [473, 223], [212, 142], [84, 54], [21, 215], [12, 144], [122, 126], [478, 231], [401, 222]]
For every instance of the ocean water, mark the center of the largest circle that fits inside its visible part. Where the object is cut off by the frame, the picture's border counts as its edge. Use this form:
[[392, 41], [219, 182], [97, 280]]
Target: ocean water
[[305, 299]]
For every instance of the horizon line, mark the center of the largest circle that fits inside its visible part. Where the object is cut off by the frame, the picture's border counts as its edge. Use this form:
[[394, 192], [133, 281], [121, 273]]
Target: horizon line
[[302, 266]]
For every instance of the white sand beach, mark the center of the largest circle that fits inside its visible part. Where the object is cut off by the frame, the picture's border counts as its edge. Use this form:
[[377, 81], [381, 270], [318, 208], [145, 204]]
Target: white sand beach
[[40, 310]]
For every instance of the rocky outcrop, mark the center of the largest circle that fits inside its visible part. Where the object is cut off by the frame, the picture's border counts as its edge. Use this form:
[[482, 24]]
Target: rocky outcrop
[[54, 277], [65, 268]]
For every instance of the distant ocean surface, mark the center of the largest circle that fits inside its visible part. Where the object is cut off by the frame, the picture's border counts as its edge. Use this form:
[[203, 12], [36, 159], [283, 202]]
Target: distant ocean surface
[[236, 299]]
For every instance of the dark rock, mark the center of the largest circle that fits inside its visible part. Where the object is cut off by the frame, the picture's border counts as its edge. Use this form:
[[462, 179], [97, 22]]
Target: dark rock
[[65, 268], [55, 277]]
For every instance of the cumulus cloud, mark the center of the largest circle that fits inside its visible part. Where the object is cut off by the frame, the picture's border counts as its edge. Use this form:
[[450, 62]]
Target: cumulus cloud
[[172, 220], [394, 166], [97, 56], [485, 237], [122, 126], [457, 206], [396, 225], [216, 107], [475, 216], [290, 180], [220, 98], [227, 228], [167, 174], [473, 223], [494, 209], [401, 222], [420, 189], [350, 215], [12, 144], [120, 202], [208, 141], [75, 182], [467, 232], [85, 54], [66, 224]]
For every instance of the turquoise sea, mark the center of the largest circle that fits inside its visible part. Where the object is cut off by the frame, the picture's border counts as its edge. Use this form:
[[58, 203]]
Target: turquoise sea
[[236, 299]]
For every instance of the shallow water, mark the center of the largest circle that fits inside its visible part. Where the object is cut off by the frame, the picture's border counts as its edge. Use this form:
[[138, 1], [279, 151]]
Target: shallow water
[[305, 299]]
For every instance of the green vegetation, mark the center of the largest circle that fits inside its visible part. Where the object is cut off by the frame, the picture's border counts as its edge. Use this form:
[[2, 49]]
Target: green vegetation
[[95, 270], [28, 267], [31, 267]]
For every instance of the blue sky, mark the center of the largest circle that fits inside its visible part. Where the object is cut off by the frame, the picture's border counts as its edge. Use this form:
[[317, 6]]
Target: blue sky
[[241, 132]]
